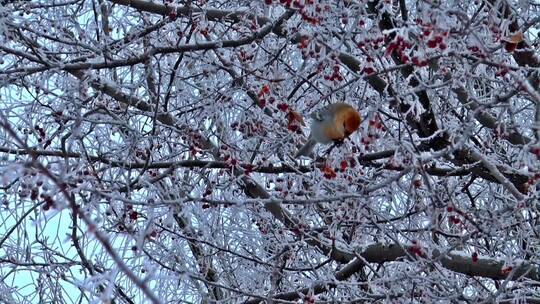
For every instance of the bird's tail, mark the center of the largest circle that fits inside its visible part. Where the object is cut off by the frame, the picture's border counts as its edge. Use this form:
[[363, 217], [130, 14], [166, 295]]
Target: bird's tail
[[307, 148]]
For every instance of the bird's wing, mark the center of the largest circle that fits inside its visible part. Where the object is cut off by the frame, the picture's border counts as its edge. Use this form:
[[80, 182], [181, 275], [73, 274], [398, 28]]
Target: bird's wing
[[322, 114]]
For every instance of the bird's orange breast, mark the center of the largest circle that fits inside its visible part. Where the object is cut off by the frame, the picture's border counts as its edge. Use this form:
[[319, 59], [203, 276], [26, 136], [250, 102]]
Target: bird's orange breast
[[352, 122], [346, 122], [334, 132]]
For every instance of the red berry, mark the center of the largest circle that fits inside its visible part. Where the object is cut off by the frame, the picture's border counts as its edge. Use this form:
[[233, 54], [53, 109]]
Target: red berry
[[328, 172], [293, 127], [282, 107], [34, 194], [501, 72], [506, 270], [343, 165], [404, 59], [368, 70], [454, 220], [431, 44]]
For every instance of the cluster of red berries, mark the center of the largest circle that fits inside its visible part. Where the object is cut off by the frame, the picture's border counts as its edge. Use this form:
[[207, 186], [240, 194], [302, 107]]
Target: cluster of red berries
[[173, 14], [204, 31], [207, 192], [153, 173], [535, 151], [345, 163], [304, 41], [248, 168], [532, 180], [130, 213], [49, 201], [133, 215], [261, 225], [375, 126], [502, 72], [141, 154], [152, 234], [368, 70], [328, 172], [80, 175], [416, 250], [308, 13], [58, 117], [419, 62], [453, 218], [264, 97], [309, 52], [244, 56], [336, 75], [35, 194], [298, 229], [476, 51], [283, 107], [282, 186], [506, 270], [265, 90], [399, 45], [373, 43], [195, 140], [231, 162], [309, 300], [436, 41], [41, 133], [436, 38], [249, 128]]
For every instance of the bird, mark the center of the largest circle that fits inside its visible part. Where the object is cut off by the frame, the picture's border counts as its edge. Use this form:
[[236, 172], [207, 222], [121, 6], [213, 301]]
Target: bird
[[332, 123]]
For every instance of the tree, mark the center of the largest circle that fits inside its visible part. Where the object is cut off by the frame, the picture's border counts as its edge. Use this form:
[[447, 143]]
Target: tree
[[147, 151]]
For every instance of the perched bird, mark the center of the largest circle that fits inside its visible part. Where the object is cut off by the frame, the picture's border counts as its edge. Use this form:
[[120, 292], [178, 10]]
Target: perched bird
[[333, 123]]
